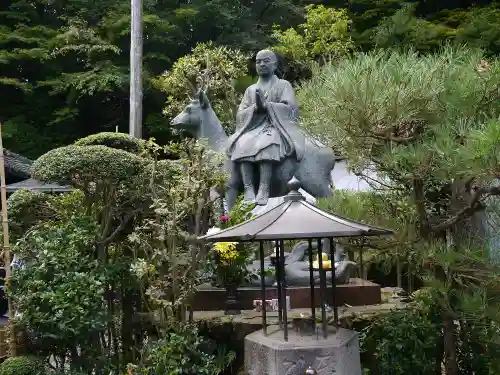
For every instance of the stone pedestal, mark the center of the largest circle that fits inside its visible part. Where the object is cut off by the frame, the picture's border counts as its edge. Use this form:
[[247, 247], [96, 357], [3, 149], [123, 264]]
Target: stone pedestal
[[271, 355], [357, 293]]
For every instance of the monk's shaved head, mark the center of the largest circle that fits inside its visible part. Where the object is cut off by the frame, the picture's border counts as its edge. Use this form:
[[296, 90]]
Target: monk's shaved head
[[266, 53], [266, 63]]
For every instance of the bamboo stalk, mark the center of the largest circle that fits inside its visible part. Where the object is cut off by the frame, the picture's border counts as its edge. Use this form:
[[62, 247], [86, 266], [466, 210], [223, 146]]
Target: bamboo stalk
[[6, 246]]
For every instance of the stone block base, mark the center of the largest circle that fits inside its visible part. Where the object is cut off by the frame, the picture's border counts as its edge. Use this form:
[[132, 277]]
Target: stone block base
[[357, 293], [270, 355]]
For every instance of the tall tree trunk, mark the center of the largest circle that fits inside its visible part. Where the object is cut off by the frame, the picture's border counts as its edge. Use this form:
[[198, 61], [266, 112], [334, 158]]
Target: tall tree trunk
[[450, 345], [438, 369], [449, 327], [465, 334], [127, 331]]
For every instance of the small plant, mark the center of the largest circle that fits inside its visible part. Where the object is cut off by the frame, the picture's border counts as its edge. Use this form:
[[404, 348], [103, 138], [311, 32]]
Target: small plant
[[183, 351], [230, 260], [242, 211], [22, 365], [400, 342]]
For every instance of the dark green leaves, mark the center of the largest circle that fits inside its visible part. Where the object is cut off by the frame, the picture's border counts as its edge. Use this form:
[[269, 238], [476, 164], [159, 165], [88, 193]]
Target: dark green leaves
[[80, 165]]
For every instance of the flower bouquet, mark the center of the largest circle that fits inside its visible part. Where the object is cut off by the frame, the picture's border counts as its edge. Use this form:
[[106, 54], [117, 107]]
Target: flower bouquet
[[229, 265], [229, 269]]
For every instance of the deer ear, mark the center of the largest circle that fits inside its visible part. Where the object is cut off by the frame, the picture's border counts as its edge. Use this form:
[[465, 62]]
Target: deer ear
[[202, 97]]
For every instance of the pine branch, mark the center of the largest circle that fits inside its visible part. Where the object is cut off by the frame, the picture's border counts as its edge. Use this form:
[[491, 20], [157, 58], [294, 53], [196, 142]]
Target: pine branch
[[474, 206], [390, 138], [419, 196]]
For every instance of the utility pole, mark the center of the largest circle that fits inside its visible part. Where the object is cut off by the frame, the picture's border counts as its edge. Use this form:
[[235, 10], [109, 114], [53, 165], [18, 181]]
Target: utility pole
[[136, 42]]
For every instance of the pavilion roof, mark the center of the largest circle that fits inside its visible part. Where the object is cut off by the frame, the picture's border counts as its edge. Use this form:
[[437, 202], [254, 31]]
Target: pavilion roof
[[295, 218], [35, 185]]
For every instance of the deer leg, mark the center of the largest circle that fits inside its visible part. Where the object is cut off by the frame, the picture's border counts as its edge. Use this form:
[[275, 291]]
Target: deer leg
[[232, 187], [231, 197]]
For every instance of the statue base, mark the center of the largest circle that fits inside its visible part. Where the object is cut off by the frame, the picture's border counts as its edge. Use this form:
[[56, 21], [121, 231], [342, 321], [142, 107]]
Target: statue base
[[358, 292], [337, 354]]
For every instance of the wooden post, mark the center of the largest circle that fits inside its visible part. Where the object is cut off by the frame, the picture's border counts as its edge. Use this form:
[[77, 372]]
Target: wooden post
[[136, 46], [6, 246], [399, 271]]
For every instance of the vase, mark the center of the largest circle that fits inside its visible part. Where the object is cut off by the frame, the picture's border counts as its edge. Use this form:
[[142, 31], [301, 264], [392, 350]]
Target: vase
[[232, 304]]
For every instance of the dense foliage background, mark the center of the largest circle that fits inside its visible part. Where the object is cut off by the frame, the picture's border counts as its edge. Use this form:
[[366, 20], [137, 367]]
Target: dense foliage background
[[397, 86], [64, 65]]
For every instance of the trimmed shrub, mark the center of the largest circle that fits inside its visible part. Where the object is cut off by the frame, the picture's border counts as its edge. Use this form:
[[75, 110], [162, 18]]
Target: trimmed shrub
[[22, 366], [119, 141]]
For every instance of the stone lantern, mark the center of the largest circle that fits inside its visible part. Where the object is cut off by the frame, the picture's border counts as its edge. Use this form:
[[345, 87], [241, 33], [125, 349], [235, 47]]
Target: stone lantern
[[280, 350]]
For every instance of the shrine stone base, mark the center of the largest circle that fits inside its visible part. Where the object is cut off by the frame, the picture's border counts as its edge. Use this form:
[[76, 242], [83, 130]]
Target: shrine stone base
[[357, 293], [271, 355]]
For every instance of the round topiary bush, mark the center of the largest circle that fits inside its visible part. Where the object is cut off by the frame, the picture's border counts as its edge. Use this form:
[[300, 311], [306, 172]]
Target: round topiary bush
[[119, 141], [22, 366]]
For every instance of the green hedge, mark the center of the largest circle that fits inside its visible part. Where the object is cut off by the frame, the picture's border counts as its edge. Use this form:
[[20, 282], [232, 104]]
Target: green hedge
[[22, 366], [397, 342]]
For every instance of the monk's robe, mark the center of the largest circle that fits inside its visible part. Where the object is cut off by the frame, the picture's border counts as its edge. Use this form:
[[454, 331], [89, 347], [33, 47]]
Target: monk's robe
[[271, 135]]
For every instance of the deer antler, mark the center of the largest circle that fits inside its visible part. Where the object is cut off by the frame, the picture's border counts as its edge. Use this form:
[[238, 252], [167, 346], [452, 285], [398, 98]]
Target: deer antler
[[191, 86], [204, 77]]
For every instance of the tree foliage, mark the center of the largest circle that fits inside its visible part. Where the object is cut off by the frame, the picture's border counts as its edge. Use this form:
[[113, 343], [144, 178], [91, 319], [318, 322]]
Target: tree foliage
[[75, 165], [391, 209], [79, 260], [22, 366], [429, 126], [422, 25], [182, 351], [167, 254], [412, 117], [403, 29], [323, 36], [480, 28], [25, 210], [214, 69], [119, 141], [402, 342], [65, 66], [73, 265], [60, 302]]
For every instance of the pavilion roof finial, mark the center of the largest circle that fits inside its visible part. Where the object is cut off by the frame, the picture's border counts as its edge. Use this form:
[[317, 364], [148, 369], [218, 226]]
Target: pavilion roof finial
[[294, 195]]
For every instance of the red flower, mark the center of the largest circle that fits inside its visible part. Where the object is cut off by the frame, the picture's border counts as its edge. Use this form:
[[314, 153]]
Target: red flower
[[224, 218]]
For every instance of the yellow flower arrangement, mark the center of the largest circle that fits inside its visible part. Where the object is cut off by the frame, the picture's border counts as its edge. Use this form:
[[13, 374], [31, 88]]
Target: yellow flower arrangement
[[227, 252]]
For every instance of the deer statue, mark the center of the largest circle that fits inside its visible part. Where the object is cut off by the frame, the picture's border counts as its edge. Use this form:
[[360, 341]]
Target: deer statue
[[313, 170]]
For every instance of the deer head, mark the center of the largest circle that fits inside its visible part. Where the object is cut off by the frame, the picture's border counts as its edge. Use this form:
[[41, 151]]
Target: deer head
[[190, 119]]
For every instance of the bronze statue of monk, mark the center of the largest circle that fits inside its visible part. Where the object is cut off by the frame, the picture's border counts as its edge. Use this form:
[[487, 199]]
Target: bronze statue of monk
[[266, 129]]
